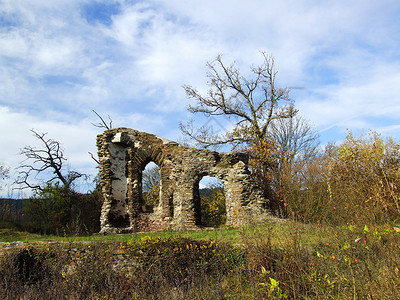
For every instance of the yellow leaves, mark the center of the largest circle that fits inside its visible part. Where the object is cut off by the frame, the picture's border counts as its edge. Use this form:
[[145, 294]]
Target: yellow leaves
[[190, 246], [145, 238], [346, 246], [213, 207], [364, 172]]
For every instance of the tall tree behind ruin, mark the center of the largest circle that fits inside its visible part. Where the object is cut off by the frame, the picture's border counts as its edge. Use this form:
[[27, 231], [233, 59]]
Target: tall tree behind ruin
[[254, 105]]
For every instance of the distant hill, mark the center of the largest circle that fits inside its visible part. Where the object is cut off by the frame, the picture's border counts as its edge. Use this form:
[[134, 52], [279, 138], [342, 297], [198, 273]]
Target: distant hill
[[206, 192], [13, 204]]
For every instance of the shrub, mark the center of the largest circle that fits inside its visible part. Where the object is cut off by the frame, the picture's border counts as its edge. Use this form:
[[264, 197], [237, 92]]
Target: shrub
[[85, 213], [350, 262], [28, 274], [49, 210], [355, 182], [354, 263], [60, 210], [363, 180]]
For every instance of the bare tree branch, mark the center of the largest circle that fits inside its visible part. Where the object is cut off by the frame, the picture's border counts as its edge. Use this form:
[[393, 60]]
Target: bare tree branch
[[94, 158], [297, 143], [4, 172], [47, 160], [102, 123]]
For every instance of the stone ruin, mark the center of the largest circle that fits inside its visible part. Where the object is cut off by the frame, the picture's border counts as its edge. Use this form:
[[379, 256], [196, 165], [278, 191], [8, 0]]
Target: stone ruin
[[123, 155]]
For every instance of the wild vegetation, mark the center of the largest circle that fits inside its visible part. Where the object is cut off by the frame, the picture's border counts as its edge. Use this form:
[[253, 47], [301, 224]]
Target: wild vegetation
[[355, 182], [289, 260]]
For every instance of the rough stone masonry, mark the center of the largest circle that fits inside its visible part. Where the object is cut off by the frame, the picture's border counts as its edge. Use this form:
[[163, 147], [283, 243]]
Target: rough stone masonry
[[123, 155]]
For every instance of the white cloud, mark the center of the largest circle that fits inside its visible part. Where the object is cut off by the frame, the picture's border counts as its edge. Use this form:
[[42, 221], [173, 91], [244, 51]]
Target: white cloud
[[73, 136], [12, 45], [53, 55], [127, 27], [357, 106]]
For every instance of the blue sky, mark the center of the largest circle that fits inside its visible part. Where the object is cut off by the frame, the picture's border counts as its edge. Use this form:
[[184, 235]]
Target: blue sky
[[59, 60]]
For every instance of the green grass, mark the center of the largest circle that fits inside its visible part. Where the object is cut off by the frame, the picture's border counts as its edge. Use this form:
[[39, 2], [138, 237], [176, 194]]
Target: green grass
[[14, 235], [280, 234], [227, 234]]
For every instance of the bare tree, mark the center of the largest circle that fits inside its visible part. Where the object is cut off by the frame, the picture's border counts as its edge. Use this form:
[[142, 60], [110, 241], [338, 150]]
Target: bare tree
[[150, 178], [4, 173], [252, 104], [104, 125], [296, 143], [44, 161]]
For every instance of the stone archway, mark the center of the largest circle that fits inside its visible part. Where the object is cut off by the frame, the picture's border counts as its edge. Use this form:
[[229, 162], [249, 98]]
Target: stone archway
[[150, 187], [123, 154]]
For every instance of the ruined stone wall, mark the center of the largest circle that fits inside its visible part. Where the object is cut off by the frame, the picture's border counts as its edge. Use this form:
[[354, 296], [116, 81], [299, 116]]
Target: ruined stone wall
[[124, 153]]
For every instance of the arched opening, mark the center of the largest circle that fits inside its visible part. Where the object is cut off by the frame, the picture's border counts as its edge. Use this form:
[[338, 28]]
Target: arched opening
[[212, 206], [150, 187]]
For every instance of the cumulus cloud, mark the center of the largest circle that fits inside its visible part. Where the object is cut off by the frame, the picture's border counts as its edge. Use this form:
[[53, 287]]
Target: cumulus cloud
[[356, 106]]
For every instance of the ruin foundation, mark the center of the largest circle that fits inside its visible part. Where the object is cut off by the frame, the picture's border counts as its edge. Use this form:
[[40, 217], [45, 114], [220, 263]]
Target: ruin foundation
[[123, 155]]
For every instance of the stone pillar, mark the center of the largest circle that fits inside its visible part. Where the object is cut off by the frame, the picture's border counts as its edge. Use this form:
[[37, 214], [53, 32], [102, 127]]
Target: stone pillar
[[114, 183], [184, 208], [165, 206]]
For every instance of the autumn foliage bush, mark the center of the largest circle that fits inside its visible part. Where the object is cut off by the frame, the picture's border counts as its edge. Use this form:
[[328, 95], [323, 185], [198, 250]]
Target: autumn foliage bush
[[364, 177], [355, 182]]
